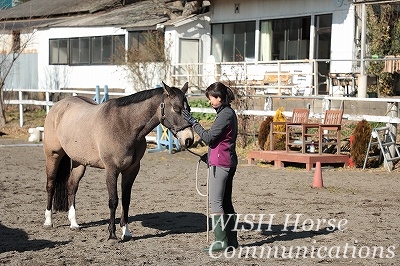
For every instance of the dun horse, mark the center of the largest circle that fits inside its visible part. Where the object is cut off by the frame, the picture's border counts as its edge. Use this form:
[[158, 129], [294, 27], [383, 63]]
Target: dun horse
[[110, 136]]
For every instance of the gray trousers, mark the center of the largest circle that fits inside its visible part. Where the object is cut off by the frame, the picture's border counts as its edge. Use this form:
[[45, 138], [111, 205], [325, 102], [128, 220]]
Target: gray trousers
[[220, 189]]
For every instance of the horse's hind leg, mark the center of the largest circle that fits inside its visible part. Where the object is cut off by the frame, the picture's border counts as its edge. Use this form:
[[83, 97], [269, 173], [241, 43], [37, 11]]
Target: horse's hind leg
[[52, 164], [126, 188], [77, 173], [111, 180]]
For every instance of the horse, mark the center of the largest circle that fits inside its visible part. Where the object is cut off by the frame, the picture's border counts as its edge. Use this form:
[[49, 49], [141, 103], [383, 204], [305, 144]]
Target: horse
[[110, 136]]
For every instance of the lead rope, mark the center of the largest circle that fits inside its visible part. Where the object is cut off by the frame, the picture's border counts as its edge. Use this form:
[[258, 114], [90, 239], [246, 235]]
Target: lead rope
[[201, 194]]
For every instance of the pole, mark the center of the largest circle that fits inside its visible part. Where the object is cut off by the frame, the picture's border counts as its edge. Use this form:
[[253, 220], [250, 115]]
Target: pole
[[21, 110], [393, 130], [362, 79]]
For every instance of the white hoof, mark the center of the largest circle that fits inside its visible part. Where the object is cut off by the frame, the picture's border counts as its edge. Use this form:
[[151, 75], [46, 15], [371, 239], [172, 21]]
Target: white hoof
[[72, 219], [47, 223], [126, 234], [74, 227]]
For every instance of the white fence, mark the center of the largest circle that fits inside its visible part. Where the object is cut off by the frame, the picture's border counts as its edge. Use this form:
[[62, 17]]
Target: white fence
[[391, 115]]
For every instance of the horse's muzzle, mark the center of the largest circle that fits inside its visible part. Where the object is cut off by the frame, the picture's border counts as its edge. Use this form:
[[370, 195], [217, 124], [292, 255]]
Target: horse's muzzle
[[185, 137], [188, 142]]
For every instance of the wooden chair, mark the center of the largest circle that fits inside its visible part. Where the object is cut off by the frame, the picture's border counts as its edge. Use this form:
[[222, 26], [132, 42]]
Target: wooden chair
[[299, 116], [330, 131], [295, 129]]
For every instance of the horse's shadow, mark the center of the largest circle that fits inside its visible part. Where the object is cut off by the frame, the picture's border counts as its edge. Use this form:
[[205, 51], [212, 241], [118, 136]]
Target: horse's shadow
[[188, 222], [167, 222], [17, 240], [171, 223]]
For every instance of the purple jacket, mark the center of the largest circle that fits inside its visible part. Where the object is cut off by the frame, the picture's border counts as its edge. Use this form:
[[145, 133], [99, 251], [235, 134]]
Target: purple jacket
[[221, 138]]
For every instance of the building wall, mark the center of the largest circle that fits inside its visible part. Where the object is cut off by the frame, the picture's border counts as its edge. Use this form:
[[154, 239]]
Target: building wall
[[343, 21]]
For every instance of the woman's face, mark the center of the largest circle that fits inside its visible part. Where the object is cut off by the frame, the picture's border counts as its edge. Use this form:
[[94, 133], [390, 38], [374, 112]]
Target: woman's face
[[215, 102]]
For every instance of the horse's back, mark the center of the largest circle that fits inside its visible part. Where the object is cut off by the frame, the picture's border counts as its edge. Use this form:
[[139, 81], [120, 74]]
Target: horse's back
[[66, 117]]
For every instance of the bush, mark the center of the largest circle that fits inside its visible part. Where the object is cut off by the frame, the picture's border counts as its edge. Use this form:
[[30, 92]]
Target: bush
[[201, 103], [264, 131], [359, 145]]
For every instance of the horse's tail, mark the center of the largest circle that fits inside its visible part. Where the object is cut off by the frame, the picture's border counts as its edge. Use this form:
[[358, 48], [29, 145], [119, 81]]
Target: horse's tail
[[60, 198]]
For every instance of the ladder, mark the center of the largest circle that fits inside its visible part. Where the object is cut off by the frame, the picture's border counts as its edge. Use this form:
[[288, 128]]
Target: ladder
[[385, 139]]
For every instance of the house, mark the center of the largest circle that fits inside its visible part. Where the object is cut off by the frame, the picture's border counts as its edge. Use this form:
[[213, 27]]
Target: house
[[73, 43], [310, 47], [321, 37]]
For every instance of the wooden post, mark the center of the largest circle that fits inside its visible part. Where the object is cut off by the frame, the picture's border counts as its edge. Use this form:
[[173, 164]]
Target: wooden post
[[393, 111], [21, 109]]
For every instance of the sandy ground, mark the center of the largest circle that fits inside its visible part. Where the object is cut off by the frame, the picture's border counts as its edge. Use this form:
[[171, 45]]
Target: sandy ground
[[353, 220]]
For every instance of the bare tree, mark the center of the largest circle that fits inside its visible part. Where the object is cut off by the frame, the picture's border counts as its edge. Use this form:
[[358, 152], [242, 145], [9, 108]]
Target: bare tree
[[12, 45], [148, 61]]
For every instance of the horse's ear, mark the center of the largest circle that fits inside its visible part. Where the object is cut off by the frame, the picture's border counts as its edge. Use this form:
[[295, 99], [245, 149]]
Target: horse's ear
[[185, 87], [167, 89]]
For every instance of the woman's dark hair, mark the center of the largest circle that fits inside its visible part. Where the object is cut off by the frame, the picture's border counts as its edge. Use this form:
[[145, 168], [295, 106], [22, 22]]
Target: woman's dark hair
[[218, 89]]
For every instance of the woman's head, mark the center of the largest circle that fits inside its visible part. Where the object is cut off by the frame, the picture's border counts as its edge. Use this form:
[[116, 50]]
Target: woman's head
[[218, 89]]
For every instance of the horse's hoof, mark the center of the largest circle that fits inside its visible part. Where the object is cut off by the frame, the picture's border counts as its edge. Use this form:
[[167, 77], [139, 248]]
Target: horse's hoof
[[112, 237], [75, 228], [126, 238]]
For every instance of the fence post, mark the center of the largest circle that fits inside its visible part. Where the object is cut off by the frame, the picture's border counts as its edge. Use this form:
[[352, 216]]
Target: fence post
[[97, 95], [105, 96], [47, 102], [21, 109], [393, 112]]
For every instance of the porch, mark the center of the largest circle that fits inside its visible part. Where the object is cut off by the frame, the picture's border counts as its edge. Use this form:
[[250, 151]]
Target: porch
[[279, 158]]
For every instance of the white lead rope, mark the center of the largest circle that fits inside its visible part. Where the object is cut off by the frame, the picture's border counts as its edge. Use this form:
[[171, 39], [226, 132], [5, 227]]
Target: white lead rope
[[204, 195]]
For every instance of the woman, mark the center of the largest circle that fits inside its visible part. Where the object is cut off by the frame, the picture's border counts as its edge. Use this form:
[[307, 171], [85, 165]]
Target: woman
[[222, 162]]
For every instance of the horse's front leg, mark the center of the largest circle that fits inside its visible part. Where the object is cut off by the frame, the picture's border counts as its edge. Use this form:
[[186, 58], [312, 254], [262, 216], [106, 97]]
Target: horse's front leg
[[126, 187], [111, 180], [77, 173]]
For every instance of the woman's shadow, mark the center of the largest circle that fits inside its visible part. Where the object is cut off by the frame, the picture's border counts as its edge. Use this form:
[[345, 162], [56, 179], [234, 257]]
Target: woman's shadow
[[281, 232]]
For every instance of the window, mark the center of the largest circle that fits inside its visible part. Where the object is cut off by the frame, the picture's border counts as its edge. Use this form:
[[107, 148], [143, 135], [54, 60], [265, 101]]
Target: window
[[58, 52], [104, 49], [85, 50], [79, 51], [285, 39], [233, 42]]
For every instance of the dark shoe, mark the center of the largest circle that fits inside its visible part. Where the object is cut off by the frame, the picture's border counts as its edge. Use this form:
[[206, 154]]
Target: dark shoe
[[220, 238], [231, 230]]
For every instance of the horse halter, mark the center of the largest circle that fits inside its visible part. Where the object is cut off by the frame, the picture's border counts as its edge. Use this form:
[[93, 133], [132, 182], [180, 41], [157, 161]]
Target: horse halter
[[164, 119]]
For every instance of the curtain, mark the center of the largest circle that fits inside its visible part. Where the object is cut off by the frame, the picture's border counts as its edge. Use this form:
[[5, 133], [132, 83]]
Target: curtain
[[266, 41]]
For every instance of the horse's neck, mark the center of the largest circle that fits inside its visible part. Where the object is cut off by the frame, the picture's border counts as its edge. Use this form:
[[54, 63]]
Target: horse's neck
[[146, 115]]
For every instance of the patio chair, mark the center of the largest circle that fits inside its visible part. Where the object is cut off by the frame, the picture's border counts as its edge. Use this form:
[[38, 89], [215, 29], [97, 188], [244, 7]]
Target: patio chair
[[299, 116], [295, 130], [330, 131]]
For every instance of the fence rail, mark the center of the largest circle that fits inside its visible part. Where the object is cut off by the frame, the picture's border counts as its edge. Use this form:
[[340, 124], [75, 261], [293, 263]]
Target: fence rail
[[390, 117]]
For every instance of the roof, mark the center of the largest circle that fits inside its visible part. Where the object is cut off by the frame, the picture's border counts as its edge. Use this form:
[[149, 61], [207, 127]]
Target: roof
[[52, 8], [89, 13]]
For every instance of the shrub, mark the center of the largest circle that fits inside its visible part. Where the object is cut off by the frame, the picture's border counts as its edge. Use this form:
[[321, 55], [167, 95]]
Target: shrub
[[263, 133], [359, 145]]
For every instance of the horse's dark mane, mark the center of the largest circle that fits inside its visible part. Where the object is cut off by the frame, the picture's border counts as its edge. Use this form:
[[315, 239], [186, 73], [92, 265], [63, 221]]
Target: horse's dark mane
[[138, 97]]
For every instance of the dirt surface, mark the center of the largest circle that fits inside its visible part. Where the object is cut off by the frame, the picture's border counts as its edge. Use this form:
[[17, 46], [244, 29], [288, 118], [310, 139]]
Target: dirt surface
[[168, 217]]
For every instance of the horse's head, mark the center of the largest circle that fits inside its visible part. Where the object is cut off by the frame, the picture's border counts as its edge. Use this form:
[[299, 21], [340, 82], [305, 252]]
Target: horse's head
[[173, 102]]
